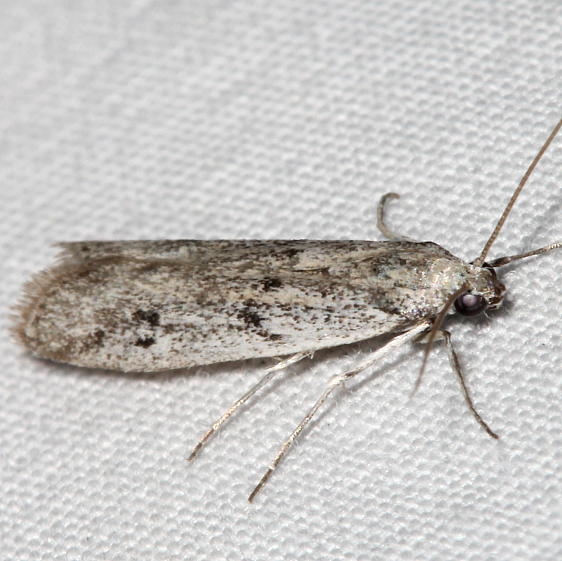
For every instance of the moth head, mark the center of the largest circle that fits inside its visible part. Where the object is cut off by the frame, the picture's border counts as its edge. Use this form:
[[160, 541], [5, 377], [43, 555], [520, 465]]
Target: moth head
[[485, 293]]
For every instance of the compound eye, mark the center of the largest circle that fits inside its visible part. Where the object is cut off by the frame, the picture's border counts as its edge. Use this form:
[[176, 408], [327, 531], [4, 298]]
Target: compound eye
[[469, 304]]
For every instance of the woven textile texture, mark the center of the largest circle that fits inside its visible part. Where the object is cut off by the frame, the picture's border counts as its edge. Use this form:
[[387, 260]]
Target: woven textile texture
[[260, 119]]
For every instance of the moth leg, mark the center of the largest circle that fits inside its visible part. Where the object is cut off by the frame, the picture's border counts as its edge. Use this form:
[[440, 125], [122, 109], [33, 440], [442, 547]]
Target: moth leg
[[270, 373], [385, 230], [335, 383], [455, 365]]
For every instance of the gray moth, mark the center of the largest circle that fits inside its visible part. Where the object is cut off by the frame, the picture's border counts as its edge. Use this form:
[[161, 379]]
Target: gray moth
[[150, 305], [159, 305]]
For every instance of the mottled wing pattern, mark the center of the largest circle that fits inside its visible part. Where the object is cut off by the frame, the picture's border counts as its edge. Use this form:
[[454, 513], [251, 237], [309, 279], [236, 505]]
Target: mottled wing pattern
[[158, 305]]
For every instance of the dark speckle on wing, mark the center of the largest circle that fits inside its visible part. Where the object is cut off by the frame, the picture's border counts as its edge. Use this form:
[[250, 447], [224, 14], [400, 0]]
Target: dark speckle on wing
[[249, 315], [271, 283], [145, 342], [152, 317]]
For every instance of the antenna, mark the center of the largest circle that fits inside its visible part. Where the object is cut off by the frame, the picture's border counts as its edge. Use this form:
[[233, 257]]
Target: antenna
[[480, 260]]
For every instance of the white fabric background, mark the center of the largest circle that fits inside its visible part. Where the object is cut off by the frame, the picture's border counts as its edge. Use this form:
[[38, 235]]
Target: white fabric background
[[261, 119]]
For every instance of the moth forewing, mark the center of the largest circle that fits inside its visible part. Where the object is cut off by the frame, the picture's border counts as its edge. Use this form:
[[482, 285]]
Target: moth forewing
[[150, 306]]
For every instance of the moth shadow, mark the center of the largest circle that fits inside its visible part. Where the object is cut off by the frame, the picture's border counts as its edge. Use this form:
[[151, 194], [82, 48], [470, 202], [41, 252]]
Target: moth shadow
[[545, 218], [232, 367]]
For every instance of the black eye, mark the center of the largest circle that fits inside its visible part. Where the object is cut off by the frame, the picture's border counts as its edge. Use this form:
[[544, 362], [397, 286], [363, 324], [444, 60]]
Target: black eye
[[469, 304]]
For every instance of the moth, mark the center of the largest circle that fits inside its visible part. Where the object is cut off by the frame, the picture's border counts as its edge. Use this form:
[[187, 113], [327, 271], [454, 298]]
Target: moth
[[160, 305]]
